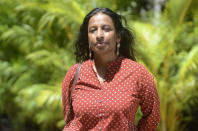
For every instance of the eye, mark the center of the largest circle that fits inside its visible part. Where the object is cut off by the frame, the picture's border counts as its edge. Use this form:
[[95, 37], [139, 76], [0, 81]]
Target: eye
[[107, 28], [91, 30]]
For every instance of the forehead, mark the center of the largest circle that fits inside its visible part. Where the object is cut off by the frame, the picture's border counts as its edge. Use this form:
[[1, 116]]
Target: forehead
[[100, 19]]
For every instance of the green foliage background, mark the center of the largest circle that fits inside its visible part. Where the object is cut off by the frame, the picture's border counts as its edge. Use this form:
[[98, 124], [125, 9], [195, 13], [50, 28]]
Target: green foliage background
[[36, 50]]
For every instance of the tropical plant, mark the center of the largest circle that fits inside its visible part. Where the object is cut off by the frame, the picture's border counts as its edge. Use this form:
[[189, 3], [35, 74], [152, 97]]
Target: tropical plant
[[172, 59]]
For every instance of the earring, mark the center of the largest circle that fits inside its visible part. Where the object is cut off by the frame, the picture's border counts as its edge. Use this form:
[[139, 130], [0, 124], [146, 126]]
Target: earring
[[89, 52], [118, 47]]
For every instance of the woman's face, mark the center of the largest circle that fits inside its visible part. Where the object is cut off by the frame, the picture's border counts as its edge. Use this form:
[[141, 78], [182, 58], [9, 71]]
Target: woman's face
[[102, 35]]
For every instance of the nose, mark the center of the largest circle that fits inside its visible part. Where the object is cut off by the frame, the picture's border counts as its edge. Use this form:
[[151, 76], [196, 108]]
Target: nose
[[100, 35]]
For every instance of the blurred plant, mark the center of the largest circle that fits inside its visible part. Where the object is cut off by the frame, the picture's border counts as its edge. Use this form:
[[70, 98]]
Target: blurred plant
[[172, 60]]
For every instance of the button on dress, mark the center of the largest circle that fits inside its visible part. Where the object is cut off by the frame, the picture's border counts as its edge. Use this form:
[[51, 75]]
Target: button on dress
[[111, 106]]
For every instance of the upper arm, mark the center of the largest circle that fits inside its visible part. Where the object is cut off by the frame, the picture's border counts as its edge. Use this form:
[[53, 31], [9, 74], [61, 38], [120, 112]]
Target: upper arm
[[66, 86], [149, 102]]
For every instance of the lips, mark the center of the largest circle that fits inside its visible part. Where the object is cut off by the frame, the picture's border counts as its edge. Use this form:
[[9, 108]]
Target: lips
[[100, 44]]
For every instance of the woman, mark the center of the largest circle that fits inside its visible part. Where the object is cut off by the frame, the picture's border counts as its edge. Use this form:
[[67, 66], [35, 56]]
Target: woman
[[111, 85]]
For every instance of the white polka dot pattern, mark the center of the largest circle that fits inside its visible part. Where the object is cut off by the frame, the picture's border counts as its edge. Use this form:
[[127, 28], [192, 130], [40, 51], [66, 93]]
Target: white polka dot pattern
[[112, 105]]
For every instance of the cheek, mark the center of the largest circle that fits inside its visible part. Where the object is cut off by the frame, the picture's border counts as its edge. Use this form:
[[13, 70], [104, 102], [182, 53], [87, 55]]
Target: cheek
[[90, 38], [112, 36], [113, 39]]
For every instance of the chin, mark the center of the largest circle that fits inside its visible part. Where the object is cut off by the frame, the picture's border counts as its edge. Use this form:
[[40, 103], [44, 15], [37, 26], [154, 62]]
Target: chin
[[103, 52]]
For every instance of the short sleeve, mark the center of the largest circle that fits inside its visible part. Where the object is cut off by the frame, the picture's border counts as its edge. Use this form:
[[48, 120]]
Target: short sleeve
[[149, 102], [66, 91]]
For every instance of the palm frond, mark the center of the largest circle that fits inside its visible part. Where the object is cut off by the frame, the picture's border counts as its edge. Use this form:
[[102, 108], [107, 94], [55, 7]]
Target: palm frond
[[176, 15], [42, 100], [151, 45], [190, 63]]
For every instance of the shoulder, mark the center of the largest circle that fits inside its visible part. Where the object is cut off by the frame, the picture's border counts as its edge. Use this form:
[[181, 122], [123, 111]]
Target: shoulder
[[135, 67], [70, 74], [72, 70], [69, 77], [86, 64]]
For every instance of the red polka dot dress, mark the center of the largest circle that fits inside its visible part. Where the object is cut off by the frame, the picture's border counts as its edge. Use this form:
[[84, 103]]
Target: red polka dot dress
[[111, 106]]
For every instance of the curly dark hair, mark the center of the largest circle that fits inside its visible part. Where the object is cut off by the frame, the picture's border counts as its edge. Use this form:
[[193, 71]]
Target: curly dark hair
[[126, 43]]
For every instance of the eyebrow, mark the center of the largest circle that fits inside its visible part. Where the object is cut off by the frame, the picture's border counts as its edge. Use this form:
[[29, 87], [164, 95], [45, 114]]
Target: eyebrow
[[94, 26]]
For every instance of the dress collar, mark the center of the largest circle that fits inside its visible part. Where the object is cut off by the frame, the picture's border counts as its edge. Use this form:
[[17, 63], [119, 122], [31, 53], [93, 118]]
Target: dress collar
[[112, 68], [115, 63]]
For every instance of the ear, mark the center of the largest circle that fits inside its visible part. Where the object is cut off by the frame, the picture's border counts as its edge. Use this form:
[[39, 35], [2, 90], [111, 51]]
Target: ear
[[118, 38]]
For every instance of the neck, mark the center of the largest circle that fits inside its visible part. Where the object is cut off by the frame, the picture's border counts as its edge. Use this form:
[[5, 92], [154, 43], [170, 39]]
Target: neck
[[102, 61], [100, 65]]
